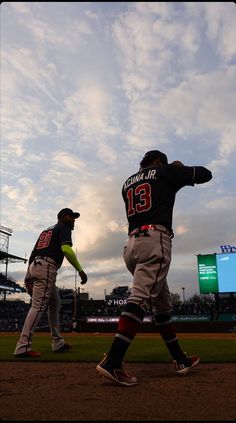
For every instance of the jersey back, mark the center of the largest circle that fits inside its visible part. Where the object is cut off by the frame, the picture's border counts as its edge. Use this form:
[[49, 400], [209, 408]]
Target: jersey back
[[149, 194], [50, 241]]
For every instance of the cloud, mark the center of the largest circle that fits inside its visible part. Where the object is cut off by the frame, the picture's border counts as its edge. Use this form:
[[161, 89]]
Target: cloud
[[222, 203], [86, 91], [181, 229], [90, 110], [167, 95], [98, 216], [189, 114], [64, 160], [20, 7], [47, 31], [35, 70], [25, 196], [91, 14], [207, 231], [221, 28]]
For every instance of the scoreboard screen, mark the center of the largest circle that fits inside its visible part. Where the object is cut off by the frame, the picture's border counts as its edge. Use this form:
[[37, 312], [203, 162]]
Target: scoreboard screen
[[217, 273]]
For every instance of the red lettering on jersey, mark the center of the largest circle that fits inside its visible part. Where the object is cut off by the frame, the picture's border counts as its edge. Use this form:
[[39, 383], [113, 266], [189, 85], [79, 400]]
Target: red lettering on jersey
[[144, 192], [131, 209], [44, 240], [139, 200]]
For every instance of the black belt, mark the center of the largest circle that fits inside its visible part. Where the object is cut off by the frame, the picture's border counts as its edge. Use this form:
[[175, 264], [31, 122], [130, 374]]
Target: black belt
[[153, 227], [49, 259]]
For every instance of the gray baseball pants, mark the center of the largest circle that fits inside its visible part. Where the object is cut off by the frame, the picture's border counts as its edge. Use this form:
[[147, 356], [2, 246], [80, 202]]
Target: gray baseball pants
[[148, 260], [45, 296]]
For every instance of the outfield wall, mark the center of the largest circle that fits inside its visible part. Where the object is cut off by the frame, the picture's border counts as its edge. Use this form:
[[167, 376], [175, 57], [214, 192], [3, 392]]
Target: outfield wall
[[193, 327], [183, 323]]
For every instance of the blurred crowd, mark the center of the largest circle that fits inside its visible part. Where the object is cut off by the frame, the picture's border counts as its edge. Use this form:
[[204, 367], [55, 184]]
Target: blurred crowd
[[13, 313]]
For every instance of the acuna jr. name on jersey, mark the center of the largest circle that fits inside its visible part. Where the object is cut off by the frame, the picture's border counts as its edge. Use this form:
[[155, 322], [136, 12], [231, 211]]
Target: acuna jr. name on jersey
[[141, 176]]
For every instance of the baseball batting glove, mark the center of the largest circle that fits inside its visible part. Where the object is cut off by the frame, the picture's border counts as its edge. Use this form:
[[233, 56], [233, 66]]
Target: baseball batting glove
[[83, 277]]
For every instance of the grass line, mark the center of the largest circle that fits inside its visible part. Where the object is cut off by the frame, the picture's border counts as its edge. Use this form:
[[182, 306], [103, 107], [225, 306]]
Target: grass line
[[148, 349]]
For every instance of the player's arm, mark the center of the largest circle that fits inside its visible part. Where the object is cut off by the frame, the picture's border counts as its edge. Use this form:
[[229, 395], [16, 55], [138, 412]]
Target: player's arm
[[192, 174], [71, 257], [201, 174]]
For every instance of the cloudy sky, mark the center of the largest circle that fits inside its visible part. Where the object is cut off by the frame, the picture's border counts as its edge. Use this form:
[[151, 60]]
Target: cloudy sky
[[87, 88]]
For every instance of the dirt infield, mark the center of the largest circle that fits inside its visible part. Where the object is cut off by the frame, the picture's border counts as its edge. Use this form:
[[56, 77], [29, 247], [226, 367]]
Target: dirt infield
[[75, 392]]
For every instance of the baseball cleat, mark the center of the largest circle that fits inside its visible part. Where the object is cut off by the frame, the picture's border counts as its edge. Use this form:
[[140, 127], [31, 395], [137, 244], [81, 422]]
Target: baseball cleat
[[65, 347], [183, 368], [30, 354], [117, 375]]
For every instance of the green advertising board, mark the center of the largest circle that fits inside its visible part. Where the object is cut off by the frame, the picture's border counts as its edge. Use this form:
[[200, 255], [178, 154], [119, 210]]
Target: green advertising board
[[207, 274]]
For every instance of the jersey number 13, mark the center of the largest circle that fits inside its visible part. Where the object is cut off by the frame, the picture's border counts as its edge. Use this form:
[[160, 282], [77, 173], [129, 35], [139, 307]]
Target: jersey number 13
[[139, 199]]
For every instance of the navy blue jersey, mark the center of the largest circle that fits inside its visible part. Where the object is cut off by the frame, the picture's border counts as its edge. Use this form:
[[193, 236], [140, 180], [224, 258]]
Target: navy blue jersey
[[149, 194], [50, 241]]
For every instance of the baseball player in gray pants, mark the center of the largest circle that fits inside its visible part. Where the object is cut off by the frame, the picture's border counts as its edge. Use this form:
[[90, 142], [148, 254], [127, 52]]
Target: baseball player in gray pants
[[53, 244], [149, 197]]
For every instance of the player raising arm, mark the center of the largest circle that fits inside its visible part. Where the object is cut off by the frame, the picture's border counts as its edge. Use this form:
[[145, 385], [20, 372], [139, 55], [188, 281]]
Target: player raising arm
[[149, 197]]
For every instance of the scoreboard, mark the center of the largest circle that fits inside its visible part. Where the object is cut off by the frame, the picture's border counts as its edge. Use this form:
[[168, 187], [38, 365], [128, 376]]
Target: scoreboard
[[217, 273]]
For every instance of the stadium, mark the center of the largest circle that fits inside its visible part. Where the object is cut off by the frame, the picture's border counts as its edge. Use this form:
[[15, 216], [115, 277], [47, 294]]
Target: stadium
[[214, 310], [205, 323]]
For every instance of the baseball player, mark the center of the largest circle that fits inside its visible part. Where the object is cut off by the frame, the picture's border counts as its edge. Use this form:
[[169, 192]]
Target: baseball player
[[53, 244], [149, 197]]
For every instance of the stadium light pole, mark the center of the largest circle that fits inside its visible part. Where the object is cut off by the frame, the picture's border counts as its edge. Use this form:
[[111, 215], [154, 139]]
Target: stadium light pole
[[183, 294]]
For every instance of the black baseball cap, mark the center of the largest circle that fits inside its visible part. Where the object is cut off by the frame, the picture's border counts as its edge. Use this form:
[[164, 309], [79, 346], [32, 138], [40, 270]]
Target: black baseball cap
[[150, 156], [156, 154], [68, 212]]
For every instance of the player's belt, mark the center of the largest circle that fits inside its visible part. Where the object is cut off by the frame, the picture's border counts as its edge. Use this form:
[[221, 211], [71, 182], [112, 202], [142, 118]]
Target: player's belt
[[153, 227], [49, 259]]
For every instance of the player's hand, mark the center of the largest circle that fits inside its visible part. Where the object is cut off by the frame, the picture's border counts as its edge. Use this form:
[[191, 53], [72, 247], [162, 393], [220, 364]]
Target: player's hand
[[83, 277], [177, 163]]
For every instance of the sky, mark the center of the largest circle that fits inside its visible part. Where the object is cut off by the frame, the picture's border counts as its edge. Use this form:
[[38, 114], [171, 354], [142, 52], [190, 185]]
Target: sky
[[87, 88]]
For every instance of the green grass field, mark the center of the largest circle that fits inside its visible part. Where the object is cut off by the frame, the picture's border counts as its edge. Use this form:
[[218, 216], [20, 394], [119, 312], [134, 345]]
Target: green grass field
[[148, 349]]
